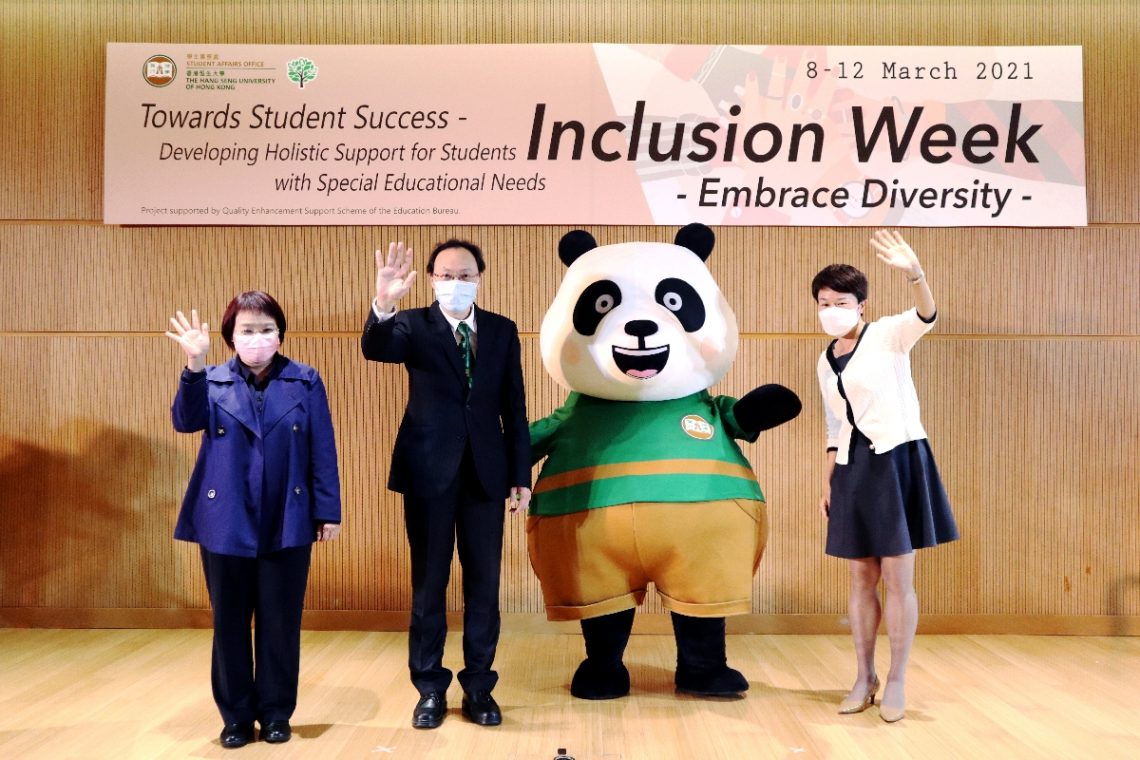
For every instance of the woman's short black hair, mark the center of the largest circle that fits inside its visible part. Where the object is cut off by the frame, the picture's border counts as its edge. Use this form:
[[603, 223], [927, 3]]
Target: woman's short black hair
[[257, 301], [456, 243], [842, 278]]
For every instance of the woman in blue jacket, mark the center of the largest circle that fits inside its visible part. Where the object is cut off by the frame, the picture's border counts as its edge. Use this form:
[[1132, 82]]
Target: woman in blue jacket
[[265, 486]]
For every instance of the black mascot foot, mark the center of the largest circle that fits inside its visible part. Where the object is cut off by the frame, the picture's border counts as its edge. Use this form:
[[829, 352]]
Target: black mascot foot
[[593, 682], [720, 682], [602, 675], [702, 668]]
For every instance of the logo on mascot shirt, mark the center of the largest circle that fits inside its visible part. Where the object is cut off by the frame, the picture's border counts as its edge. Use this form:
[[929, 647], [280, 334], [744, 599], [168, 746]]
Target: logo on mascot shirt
[[695, 426]]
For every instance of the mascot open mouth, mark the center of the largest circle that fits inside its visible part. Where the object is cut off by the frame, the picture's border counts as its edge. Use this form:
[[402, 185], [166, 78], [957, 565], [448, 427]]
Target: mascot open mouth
[[642, 363]]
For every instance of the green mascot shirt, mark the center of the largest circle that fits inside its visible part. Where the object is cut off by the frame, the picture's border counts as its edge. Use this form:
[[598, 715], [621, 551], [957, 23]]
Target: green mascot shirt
[[600, 453]]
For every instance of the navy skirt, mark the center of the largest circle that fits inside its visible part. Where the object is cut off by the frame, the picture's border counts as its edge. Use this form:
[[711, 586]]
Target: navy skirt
[[886, 505]]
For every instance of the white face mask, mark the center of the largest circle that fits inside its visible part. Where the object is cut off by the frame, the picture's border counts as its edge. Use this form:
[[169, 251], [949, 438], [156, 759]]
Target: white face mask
[[838, 321], [455, 296], [257, 349]]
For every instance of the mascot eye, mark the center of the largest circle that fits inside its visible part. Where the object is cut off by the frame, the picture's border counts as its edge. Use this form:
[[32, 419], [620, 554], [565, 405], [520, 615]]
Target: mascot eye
[[595, 302], [682, 299]]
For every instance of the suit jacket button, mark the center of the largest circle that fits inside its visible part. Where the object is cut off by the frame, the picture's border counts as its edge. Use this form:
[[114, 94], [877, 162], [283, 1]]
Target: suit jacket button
[[297, 490], [211, 493], [221, 431], [296, 427]]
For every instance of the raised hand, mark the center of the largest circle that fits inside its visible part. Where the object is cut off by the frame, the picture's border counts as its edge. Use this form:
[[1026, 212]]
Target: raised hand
[[194, 338], [893, 251], [394, 276]]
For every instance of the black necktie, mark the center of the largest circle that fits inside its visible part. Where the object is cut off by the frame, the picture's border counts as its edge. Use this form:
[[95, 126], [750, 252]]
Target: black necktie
[[465, 350]]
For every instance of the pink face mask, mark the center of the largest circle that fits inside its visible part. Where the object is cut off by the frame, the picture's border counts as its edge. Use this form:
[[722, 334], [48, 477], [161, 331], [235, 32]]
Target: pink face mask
[[255, 350]]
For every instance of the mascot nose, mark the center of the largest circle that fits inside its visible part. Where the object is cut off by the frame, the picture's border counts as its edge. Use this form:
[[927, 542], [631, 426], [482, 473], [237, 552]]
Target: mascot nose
[[640, 328]]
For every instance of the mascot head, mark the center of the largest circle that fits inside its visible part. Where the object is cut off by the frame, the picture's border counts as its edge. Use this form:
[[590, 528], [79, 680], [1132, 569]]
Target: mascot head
[[638, 321]]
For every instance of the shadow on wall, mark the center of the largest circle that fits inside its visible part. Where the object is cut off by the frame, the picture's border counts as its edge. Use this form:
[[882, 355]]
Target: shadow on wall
[[86, 520]]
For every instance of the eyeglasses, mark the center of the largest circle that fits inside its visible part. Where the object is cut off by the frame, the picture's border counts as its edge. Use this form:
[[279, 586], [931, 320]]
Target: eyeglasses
[[448, 277], [249, 332]]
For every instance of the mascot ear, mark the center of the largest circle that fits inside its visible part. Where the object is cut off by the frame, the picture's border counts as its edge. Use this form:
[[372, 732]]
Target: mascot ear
[[697, 238], [573, 244]]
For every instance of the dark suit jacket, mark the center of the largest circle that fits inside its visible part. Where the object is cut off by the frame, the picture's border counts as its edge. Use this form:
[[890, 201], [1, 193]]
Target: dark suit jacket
[[442, 417]]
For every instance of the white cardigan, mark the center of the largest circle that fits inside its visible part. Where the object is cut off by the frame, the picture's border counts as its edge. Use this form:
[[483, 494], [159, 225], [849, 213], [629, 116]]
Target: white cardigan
[[878, 384]]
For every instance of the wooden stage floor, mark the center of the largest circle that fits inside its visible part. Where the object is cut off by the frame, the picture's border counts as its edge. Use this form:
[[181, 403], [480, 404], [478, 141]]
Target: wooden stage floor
[[146, 694]]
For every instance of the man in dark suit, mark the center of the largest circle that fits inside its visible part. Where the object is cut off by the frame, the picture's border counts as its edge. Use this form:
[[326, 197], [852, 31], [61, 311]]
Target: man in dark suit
[[463, 446]]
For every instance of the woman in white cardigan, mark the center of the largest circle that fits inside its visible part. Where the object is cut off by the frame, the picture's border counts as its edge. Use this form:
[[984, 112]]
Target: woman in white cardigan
[[882, 495]]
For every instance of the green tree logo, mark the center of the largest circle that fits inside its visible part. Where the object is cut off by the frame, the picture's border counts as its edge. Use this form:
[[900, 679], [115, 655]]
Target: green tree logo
[[302, 70]]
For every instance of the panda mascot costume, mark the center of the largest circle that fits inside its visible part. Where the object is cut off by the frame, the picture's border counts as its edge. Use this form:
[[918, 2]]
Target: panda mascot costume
[[643, 480]]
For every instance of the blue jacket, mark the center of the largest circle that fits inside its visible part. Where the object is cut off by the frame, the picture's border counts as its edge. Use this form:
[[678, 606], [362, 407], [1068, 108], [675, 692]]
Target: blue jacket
[[284, 462]]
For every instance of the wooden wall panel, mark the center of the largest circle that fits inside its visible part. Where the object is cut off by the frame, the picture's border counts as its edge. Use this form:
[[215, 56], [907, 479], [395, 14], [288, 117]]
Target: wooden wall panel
[[1033, 437], [87, 277], [1028, 382]]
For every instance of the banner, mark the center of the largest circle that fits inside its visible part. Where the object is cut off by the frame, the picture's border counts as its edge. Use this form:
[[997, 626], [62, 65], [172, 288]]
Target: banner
[[594, 134]]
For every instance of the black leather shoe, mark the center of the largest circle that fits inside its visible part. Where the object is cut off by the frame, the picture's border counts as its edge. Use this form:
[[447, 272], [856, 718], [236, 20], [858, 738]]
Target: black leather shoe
[[429, 710], [480, 707], [236, 735], [276, 732]]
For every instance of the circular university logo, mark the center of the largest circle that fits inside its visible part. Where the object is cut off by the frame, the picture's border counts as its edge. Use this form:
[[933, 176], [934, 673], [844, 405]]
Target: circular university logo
[[696, 426], [301, 71], [159, 70]]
